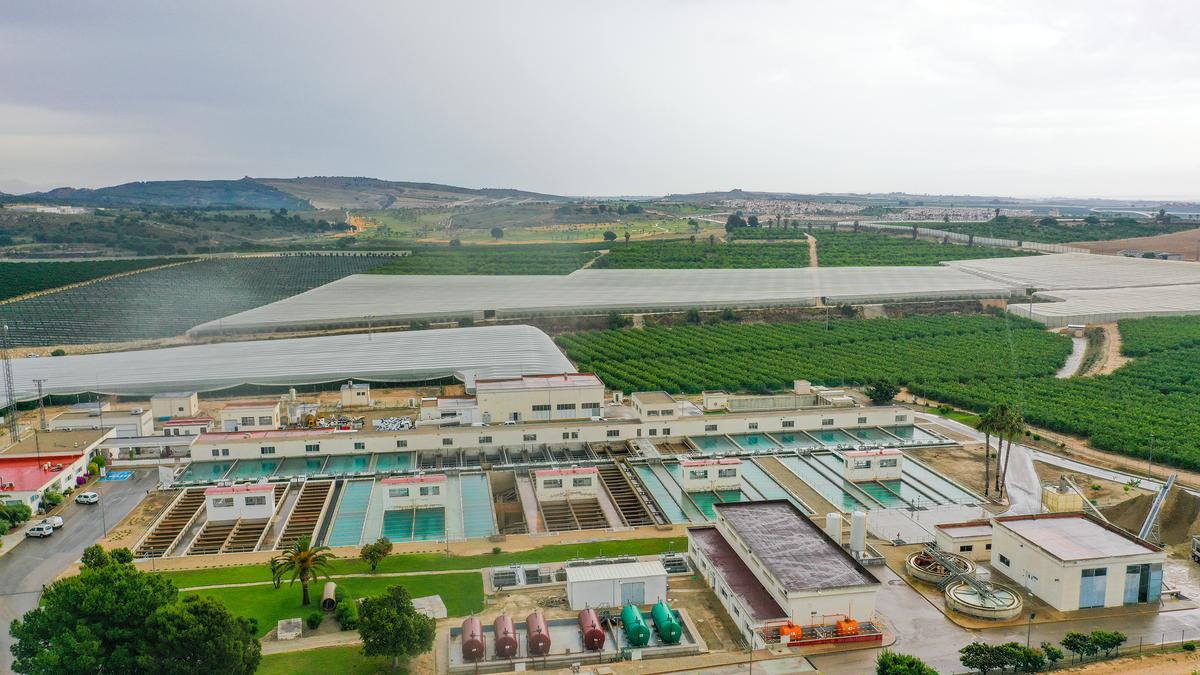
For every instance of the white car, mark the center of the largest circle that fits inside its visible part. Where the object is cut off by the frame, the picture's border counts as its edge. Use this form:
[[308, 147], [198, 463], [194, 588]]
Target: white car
[[40, 530], [53, 521], [87, 498]]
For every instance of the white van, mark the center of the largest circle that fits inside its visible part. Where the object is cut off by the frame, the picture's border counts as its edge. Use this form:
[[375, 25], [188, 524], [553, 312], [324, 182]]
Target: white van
[[53, 521]]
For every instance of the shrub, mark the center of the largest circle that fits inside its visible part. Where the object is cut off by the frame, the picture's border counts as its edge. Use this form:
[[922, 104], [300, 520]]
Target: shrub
[[495, 550], [892, 663], [58, 352], [314, 620], [99, 460], [93, 469], [52, 498], [346, 614], [1189, 646]]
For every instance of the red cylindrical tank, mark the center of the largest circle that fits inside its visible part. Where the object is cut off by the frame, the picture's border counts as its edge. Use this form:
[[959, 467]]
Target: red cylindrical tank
[[537, 635], [505, 641], [472, 640], [593, 632]]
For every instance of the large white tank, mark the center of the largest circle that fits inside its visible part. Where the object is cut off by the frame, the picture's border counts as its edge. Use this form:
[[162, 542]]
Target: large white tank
[[833, 526], [858, 532]]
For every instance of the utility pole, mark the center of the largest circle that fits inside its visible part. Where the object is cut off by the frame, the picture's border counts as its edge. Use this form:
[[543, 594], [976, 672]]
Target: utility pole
[[41, 403], [10, 390]]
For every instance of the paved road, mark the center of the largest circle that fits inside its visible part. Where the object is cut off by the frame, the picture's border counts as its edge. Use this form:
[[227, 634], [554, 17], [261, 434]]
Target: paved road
[[34, 563], [1074, 359]]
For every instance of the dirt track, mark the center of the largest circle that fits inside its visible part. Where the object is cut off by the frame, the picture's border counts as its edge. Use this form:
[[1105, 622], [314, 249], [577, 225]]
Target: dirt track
[[1186, 243], [1110, 358]]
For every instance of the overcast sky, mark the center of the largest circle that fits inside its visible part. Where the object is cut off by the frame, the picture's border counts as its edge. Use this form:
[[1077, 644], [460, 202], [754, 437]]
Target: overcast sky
[[1038, 99]]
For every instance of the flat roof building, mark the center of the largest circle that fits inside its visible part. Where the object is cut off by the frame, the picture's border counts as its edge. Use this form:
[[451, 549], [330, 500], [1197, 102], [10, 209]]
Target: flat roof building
[[1076, 561], [175, 404], [250, 416], [616, 585], [125, 423], [769, 564], [539, 397]]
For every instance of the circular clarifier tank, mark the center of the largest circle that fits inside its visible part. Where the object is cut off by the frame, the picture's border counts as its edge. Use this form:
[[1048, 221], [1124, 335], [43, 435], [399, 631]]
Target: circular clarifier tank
[[921, 565], [1002, 602]]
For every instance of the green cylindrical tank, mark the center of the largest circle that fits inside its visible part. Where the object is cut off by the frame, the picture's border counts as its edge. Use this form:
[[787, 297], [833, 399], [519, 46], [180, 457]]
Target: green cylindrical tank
[[636, 631], [665, 623]]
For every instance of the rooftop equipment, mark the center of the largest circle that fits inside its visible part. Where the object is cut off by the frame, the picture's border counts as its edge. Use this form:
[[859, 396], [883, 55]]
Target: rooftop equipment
[[665, 623], [537, 635], [505, 641], [593, 632], [636, 630], [473, 646], [858, 532], [833, 527]]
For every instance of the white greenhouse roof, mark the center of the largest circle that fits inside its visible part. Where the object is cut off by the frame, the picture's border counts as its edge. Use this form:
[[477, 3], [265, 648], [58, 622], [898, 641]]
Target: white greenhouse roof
[[1082, 270], [491, 351], [1111, 304], [361, 298]]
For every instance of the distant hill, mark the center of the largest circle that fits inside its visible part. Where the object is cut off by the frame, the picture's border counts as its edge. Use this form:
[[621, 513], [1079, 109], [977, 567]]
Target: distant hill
[[342, 192], [244, 193]]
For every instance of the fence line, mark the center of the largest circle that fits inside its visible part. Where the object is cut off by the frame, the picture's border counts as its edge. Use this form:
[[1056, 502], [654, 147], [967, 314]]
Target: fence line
[[959, 237]]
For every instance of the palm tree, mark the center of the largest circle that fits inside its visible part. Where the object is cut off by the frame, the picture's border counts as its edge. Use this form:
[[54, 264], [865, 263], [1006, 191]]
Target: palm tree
[[989, 424], [1014, 426], [304, 562]]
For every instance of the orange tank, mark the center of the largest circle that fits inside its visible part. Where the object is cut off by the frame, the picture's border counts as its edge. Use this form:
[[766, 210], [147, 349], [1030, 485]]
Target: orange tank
[[791, 629], [847, 627]]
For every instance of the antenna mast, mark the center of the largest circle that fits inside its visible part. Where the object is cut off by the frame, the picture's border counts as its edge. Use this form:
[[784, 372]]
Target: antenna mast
[[10, 391]]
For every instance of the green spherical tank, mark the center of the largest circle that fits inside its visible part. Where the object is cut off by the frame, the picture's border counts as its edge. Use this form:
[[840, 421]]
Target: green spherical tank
[[637, 633], [665, 624]]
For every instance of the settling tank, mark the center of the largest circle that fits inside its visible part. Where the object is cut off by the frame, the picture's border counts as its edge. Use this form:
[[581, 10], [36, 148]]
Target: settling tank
[[537, 634], [665, 623], [637, 633], [593, 632], [505, 641]]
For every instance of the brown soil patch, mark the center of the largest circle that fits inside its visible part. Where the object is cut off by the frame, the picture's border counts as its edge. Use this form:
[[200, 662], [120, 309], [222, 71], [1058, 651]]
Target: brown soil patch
[[136, 522], [1110, 358], [714, 624], [961, 463], [1186, 243], [1109, 494], [1177, 520], [1147, 664]]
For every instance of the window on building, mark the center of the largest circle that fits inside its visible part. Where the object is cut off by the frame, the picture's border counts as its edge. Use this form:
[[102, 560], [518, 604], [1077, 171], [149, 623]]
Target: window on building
[[428, 490], [590, 406], [360, 445], [888, 463], [726, 473], [247, 421], [224, 452], [566, 406], [828, 421], [698, 474], [614, 433], [988, 547], [754, 426], [652, 413], [485, 440], [710, 427], [256, 501], [666, 431], [447, 441], [544, 407], [529, 437], [966, 548], [398, 492], [581, 482], [552, 483], [654, 432], [901, 418], [789, 424], [267, 450], [401, 444], [216, 452], [862, 420], [1004, 560], [223, 502], [312, 447], [735, 610], [265, 420], [862, 463], [566, 435]]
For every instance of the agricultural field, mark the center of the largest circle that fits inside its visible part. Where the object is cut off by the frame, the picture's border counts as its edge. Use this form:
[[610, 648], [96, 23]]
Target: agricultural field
[[702, 253], [765, 357], [853, 249], [167, 302], [21, 278], [499, 259], [1029, 229], [1145, 409], [770, 233]]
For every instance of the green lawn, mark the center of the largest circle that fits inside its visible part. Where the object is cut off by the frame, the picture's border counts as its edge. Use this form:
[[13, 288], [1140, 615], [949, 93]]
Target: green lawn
[[440, 562], [461, 591], [325, 662]]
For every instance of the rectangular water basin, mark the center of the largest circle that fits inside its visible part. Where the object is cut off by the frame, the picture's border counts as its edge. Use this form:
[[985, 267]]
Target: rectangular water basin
[[205, 471], [755, 442], [871, 435], [476, 506], [393, 461], [414, 524], [348, 464], [798, 440], [946, 489], [712, 444], [817, 480], [251, 469], [670, 508], [833, 437], [300, 466], [913, 434], [352, 511]]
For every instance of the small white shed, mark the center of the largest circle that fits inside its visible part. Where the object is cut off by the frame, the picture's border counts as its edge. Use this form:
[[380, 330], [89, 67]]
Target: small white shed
[[616, 585]]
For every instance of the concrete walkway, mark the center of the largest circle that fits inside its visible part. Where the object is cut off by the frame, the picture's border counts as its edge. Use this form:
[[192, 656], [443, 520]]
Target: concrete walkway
[[1074, 359]]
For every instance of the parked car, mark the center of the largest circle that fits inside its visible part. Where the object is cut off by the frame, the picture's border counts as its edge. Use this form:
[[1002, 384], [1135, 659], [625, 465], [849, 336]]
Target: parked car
[[87, 498], [53, 521], [40, 530]]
